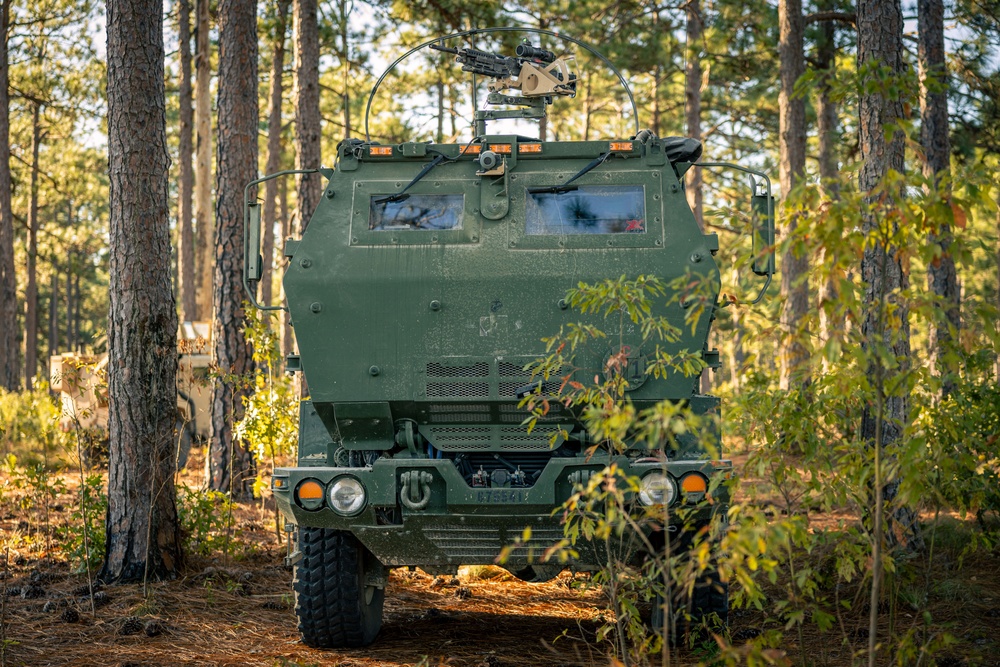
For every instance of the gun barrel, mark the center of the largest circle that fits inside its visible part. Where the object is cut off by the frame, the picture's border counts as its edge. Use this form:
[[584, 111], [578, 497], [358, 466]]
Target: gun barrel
[[446, 49]]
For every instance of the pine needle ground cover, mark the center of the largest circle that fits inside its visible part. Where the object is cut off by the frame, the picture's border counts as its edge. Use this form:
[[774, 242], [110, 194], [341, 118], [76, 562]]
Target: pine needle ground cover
[[234, 606]]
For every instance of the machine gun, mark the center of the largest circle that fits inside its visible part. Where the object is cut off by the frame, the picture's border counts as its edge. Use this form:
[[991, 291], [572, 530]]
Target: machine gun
[[534, 71]]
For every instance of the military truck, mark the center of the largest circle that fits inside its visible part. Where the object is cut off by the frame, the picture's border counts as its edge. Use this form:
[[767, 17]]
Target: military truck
[[80, 380], [420, 291]]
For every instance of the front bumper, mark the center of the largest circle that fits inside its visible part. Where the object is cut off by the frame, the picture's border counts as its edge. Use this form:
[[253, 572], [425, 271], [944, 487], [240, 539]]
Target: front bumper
[[447, 522]]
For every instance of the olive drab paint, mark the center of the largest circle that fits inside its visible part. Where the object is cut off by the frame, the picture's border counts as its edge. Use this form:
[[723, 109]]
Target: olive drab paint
[[424, 283]]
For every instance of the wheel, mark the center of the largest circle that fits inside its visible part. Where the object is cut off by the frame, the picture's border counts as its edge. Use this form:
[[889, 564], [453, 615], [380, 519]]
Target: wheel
[[339, 590], [707, 607]]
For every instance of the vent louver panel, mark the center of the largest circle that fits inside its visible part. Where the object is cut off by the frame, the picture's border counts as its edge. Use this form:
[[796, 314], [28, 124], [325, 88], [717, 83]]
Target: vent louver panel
[[489, 438]]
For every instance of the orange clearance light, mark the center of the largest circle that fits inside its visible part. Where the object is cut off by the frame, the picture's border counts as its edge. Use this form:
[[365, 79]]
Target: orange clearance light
[[501, 148], [310, 490], [529, 148], [621, 146], [380, 150], [473, 149], [694, 483]]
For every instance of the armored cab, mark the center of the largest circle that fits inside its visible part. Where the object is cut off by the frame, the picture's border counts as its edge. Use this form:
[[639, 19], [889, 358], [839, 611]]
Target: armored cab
[[419, 293]]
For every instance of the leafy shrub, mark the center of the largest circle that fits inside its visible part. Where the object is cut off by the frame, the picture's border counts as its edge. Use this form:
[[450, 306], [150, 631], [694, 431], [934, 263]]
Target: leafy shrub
[[85, 550], [29, 426], [204, 518]]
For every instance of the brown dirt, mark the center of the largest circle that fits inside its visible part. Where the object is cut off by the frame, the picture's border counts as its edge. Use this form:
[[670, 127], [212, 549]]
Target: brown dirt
[[238, 611]]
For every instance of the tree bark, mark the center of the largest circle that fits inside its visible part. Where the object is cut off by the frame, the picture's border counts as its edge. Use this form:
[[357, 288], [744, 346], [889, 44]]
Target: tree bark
[[231, 465], [10, 372], [692, 114], [143, 539], [307, 118], [826, 129], [692, 102], [187, 290], [204, 253], [54, 310], [77, 345], [31, 291], [942, 278], [287, 337], [70, 302], [345, 15], [273, 151], [792, 159], [885, 315]]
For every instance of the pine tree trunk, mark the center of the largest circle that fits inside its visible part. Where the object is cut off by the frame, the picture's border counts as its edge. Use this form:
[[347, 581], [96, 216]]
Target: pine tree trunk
[[231, 465], [307, 118], [692, 102], [143, 539], [70, 303], [792, 159], [880, 44], [273, 152], [31, 291], [10, 372], [826, 130], [345, 15], [54, 310], [76, 313], [204, 252], [942, 278], [287, 337], [187, 289], [692, 113]]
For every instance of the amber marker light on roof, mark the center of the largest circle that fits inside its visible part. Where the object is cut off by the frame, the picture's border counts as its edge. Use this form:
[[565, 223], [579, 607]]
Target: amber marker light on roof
[[473, 149], [529, 148], [501, 148], [380, 150], [621, 146]]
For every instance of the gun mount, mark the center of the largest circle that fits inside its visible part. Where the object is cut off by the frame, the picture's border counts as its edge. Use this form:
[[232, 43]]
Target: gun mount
[[538, 74]]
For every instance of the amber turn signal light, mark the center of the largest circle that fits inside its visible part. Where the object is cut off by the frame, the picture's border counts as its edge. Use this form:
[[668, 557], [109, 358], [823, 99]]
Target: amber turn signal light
[[309, 494], [693, 483]]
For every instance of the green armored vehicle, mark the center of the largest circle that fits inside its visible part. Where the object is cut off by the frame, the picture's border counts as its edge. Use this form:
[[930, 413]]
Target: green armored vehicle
[[426, 279]]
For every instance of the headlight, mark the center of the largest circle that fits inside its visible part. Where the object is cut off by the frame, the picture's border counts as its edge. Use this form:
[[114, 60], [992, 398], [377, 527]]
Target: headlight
[[657, 489], [309, 494], [347, 496]]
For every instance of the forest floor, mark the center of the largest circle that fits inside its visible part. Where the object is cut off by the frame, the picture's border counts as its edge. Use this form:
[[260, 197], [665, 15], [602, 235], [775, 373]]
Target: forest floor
[[238, 610]]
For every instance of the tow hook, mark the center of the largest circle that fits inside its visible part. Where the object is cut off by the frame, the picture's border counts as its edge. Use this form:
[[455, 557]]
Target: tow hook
[[416, 489]]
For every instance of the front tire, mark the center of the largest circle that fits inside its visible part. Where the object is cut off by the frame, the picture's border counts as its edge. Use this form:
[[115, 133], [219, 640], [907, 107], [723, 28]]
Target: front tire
[[339, 590]]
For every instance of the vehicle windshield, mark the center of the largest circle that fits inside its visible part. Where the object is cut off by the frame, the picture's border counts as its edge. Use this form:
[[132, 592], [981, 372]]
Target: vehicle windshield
[[415, 212], [587, 209]]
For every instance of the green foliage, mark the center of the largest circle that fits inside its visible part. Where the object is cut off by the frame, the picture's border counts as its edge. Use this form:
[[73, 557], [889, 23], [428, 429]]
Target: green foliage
[[271, 419], [204, 519], [29, 426], [86, 550]]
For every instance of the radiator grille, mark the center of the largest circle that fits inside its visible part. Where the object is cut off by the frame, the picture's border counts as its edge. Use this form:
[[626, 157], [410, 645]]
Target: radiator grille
[[458, 390], [483, 545], [479, 369], [494, 379], [489, 438]]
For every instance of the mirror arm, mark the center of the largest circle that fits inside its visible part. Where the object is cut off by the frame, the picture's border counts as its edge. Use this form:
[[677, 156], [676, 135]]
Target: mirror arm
[[770, 216], [246, 230]]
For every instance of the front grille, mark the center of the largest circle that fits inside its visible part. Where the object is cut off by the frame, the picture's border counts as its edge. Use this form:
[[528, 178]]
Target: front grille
[[461, 379], [458, 390], [479, 369], [487, 437], [482, 545]]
